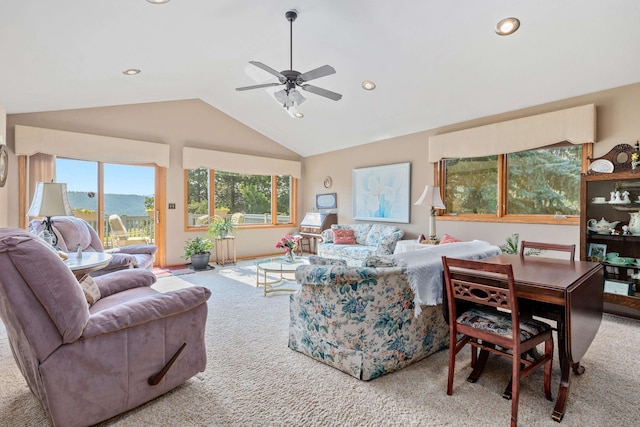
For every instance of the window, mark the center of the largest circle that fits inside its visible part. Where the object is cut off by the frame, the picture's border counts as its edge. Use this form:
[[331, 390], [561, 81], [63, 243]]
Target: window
[[471, 185], [542, 183], [248, 199]]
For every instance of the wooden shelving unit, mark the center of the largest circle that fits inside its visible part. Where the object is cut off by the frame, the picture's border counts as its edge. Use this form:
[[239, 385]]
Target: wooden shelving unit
[[594, 184]]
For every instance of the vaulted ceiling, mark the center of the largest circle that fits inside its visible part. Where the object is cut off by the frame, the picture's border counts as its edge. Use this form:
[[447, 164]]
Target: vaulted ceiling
[[435, 62]]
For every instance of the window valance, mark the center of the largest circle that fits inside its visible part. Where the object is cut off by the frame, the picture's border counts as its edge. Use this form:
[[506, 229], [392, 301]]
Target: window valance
[[82, 146], [575, 125], [194, 158]]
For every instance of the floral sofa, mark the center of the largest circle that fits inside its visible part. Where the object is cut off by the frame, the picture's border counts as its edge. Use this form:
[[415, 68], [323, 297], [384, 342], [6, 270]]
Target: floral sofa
[[370, 240], [361, 320]]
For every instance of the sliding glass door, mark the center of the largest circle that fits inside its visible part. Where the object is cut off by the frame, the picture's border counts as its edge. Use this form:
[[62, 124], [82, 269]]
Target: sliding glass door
[[117, 200]]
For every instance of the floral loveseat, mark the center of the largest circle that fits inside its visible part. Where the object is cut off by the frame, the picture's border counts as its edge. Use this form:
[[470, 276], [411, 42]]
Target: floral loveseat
[[361, 319], [370, 240], [371, 320]]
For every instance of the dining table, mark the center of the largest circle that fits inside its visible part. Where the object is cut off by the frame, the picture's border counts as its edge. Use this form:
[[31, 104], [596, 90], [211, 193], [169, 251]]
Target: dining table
[[567, 292]]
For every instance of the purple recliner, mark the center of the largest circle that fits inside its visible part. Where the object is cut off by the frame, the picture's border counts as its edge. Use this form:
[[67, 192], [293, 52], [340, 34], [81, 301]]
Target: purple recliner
[[84, 363], [72, 231]]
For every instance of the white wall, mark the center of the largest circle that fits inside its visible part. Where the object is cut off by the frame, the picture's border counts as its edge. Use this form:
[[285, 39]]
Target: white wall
[[617, 122]]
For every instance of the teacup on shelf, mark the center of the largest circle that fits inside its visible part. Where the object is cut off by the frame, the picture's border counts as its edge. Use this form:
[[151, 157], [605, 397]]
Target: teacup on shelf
[[612, 255]]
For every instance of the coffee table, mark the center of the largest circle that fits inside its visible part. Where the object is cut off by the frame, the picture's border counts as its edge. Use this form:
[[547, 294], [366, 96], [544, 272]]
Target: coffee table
[[277, 265]]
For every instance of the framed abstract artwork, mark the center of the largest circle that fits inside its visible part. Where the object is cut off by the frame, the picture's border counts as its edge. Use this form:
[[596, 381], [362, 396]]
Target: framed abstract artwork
[[381, 193]]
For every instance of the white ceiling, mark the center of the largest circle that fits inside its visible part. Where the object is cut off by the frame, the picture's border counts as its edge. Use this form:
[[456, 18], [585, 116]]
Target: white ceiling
[[435, 62]]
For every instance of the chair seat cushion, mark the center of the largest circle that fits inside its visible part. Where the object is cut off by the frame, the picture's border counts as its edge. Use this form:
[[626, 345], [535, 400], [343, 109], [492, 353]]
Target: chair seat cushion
[[500, 323]]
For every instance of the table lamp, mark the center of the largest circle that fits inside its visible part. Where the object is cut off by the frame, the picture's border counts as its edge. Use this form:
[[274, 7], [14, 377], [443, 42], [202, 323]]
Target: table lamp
[[50, 199], [431, 197]]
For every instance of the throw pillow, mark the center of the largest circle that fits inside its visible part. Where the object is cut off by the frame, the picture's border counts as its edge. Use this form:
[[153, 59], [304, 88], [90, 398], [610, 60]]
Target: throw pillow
[[448, 239], [90, 289], [343, 236]]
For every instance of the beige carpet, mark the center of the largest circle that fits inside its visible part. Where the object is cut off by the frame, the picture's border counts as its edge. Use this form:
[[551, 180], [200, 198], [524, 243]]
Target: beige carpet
[[254, 379]]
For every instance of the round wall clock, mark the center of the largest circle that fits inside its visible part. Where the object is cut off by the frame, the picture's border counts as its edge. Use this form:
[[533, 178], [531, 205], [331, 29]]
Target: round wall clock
[[4, 164], [327, 182]]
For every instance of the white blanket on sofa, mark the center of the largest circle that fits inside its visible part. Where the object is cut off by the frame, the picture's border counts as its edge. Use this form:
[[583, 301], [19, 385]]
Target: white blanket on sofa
[[424, 267]]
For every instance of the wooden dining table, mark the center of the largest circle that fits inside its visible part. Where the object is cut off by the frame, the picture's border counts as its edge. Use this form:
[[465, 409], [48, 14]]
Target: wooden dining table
[[567, 292]]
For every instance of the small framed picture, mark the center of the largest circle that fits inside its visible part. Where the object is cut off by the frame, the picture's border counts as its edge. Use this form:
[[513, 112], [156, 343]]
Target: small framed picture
[[326, 201], [597, 252]]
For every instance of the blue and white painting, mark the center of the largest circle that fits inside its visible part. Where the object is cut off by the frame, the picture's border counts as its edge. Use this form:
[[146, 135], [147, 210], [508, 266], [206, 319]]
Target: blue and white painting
[[381, 193]]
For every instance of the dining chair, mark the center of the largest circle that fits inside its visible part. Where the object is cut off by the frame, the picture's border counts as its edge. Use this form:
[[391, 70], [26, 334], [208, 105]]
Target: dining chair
[[540, 246], [490, 322]]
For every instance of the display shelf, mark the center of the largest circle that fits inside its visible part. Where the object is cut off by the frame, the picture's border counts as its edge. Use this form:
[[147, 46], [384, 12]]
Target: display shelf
[[593, 185]]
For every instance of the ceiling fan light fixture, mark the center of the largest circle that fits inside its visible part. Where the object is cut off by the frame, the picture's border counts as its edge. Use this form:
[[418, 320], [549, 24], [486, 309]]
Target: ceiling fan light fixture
[[368, 85], [131, 72], [507, 26]]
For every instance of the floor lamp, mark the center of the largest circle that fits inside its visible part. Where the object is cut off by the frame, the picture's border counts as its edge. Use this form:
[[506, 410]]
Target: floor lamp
[[431, 197], [50, 199]]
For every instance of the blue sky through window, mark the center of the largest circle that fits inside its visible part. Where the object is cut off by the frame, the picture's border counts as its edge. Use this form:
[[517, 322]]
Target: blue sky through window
[[119, 179]]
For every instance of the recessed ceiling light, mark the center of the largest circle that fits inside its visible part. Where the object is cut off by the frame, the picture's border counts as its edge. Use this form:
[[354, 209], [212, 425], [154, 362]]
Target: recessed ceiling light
[[368, 85], [158, 1], [131, 71], [507, 26], [298, 115]]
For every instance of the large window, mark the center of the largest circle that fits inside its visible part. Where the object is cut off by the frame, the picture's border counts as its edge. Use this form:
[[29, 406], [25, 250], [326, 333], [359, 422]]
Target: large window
[[248, 199], [535, 183]]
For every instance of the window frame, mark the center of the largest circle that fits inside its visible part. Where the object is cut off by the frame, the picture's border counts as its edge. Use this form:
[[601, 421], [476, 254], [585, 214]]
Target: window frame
[[501, 211], [274, 203]]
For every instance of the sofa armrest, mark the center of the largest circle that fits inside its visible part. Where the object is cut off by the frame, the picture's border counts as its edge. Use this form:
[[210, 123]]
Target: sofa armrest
[[122, 280], [136, 249], [327, 235], [139, 311]]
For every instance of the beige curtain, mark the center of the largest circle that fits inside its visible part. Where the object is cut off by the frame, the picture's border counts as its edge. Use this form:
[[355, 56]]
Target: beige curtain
[[575, 125], [83, 146], [195, 158], [42, 168]]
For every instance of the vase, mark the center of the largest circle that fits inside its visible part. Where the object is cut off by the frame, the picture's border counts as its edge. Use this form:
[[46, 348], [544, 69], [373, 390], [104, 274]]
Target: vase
[[288, 257]]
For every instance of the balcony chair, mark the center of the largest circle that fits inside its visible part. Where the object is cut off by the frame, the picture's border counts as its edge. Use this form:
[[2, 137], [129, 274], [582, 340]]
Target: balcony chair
[[87, 363], [73, 231], [237, 218], [120, 235], [480, 324]]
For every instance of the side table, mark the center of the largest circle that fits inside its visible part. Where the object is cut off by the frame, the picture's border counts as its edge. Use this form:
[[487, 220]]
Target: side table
[[225, 250], [90, 261]]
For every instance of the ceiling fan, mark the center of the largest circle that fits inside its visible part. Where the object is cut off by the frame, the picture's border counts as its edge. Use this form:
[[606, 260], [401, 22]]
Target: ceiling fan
[[292, 79]]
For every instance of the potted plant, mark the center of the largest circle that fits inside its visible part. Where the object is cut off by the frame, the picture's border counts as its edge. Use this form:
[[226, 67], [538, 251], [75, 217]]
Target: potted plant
[[222, 227], [198, 250]]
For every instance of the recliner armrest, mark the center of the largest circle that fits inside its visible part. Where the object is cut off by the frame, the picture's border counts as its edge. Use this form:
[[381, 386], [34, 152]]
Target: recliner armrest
[[143, 310], [122, 280], [137, 249]]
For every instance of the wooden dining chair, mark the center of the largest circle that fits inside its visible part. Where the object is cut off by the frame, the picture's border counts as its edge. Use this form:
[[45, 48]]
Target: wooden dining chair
[[540, 246], [490, 330]]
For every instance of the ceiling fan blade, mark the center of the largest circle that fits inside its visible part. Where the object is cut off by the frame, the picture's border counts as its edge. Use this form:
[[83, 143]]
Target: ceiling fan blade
[[322, 92], [258, 86], [325, 70], [269, 70]]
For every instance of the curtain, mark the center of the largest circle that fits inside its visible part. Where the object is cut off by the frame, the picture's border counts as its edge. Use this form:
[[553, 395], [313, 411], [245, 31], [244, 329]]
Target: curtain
[[575, 125]]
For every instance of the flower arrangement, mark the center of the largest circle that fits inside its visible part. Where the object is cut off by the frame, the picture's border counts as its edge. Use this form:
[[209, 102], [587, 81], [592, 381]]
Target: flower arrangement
[[289, 243]]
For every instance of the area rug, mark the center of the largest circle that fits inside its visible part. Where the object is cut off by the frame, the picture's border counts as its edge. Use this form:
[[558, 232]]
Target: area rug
[[254, 379]]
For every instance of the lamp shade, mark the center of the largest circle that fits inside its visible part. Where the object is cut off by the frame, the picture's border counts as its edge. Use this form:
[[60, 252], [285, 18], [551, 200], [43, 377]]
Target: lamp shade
[[50, 199], [431, 197]]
